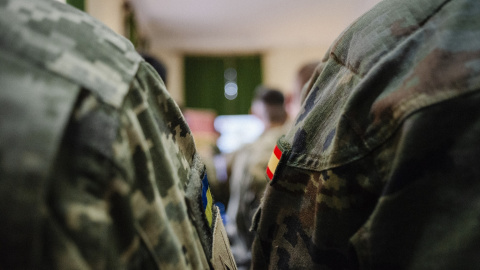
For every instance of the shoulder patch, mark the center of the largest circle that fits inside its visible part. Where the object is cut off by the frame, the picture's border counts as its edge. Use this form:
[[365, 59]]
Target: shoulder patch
[[71, 44], [273, 162], [207, 200]]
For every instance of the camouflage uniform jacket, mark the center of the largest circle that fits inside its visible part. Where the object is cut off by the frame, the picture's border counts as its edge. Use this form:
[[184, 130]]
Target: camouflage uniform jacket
[[381, 169], [98, 169]]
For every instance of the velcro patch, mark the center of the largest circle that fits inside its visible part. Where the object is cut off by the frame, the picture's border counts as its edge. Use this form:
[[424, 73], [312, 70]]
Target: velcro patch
[[273, 162], [222, 257], [207, 200]]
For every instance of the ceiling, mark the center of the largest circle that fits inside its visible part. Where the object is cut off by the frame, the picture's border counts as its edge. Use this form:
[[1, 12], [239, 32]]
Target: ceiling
[[246, 25]]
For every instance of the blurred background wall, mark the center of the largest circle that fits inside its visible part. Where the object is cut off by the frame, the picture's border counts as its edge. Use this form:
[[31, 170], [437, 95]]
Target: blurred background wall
[[285, 34]]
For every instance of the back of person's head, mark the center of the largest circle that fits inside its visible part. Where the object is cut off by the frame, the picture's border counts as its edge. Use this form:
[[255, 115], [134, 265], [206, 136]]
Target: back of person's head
[[295, 98], [269, 105], [305, 73], [157, 65]]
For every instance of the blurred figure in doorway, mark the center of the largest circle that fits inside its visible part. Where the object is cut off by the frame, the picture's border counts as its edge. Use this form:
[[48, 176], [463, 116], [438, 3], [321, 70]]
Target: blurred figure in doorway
[[247, 172], [297, 95]]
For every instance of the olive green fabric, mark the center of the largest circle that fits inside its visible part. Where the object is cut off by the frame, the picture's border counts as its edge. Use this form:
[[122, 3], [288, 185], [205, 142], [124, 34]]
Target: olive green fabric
[[380, 170], [98, 168]]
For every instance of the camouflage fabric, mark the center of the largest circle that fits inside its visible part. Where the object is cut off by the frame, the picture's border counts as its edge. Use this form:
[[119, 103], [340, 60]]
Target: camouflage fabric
[[380, 170], [247, 185], [98, 169]]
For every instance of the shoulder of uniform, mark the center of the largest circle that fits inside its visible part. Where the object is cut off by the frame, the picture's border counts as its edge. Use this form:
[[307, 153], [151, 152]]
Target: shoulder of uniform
[[70, 43]]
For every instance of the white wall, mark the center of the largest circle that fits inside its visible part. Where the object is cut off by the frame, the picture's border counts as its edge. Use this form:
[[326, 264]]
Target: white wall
[[281, 65]]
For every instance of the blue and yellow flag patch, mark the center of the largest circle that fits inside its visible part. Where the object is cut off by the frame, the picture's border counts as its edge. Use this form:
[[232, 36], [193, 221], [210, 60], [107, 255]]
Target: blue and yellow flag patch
[[207, 200]]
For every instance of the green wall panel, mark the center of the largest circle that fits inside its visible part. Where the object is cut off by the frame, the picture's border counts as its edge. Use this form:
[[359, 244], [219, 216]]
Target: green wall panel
[[205, 82]]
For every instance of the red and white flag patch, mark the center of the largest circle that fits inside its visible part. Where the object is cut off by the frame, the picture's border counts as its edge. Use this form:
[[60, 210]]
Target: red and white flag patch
[[273, 162]]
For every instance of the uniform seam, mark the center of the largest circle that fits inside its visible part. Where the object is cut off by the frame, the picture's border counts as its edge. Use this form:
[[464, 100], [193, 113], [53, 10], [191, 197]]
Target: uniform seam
[[352, 124], [380, 144], [420, 26]]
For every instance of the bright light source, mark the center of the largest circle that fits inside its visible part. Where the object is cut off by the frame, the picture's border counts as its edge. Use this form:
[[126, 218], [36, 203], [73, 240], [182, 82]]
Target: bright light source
[[231, 90], [237, 130]]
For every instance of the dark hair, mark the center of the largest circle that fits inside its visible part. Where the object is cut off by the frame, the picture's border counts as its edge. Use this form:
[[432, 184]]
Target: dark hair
[[157, 65], [269, 96], [274, 101], [306, 71]]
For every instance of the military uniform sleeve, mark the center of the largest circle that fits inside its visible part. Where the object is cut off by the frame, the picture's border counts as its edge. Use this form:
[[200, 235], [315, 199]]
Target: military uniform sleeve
[[377, 172]]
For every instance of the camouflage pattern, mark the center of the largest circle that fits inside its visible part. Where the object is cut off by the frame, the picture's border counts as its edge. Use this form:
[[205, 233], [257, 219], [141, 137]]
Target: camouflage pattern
[[98, 167], [381, 169], [247, 185]]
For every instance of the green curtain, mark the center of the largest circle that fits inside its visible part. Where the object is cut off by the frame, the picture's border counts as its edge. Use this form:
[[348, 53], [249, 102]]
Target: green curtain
[[205, 82], [80, 4]]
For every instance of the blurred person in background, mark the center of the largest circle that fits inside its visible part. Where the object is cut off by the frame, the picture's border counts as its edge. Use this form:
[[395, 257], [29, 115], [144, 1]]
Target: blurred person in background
[[380, 170], [158, 65], [298, 93], [247, 166], [98, 167]]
